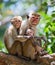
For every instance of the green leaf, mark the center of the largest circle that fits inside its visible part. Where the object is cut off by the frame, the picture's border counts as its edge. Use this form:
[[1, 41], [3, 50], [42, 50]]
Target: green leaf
[[1, 45]]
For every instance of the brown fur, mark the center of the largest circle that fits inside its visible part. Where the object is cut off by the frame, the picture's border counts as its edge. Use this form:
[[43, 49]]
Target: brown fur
[[12, 46]]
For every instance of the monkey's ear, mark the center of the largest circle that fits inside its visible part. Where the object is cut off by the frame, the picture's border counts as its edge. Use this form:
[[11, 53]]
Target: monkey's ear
[[27, 16]]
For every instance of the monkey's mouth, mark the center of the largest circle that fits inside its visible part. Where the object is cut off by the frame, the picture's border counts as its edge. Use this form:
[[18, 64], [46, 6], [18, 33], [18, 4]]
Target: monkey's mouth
[[35, 22]]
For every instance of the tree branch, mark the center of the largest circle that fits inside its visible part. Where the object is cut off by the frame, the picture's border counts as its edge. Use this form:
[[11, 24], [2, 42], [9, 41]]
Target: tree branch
[[7, 59], [5, 20]]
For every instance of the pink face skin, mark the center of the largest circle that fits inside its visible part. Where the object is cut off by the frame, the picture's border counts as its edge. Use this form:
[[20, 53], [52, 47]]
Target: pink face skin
[[16, 23], [34, 19], [30, 32]]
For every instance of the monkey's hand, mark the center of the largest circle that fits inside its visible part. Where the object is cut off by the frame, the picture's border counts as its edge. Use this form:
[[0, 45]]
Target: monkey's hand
[[22, 38]]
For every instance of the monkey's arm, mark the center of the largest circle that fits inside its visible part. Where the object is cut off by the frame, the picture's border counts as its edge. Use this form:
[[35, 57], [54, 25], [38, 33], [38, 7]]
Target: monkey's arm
[[23, 28], [8, 40], [22, 38]]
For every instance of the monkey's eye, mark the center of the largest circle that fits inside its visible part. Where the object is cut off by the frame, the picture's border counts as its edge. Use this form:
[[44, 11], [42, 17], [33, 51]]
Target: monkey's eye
[[37, 18], [19, 21], [33, 17]]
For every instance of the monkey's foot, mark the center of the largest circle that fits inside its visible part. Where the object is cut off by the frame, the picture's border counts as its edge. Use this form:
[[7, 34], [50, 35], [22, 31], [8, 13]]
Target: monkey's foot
[[43, 52]]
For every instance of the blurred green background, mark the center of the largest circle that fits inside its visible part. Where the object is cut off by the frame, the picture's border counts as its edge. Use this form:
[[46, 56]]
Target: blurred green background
[[46, 27]]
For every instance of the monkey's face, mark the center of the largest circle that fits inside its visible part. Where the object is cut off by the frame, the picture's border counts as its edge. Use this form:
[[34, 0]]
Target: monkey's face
[[16, 22], [30, 32], [34, 19]]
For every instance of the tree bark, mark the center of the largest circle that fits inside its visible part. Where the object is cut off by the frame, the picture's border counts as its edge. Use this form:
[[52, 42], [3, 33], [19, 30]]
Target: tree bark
[[7, 59]]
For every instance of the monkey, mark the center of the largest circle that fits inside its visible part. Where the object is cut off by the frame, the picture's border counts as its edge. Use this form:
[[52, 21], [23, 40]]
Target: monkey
[[30, 32], [32, 22], [29, 27], [13, 46]]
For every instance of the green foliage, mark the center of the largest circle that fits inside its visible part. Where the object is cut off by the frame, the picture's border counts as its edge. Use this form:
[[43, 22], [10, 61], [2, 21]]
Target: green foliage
[[47, 28], [50, 34], [1, 45], [2, 30], [53, 14]]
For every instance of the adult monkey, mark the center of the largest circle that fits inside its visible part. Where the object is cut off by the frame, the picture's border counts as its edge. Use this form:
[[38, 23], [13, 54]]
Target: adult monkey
[[31, 23], [13, 46], [26, 26]]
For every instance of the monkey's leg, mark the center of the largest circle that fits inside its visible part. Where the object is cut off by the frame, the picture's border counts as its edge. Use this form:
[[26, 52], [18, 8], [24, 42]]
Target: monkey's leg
[[37, 45], [28, 49], [19, 48], [40, 50], [15, 49]]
